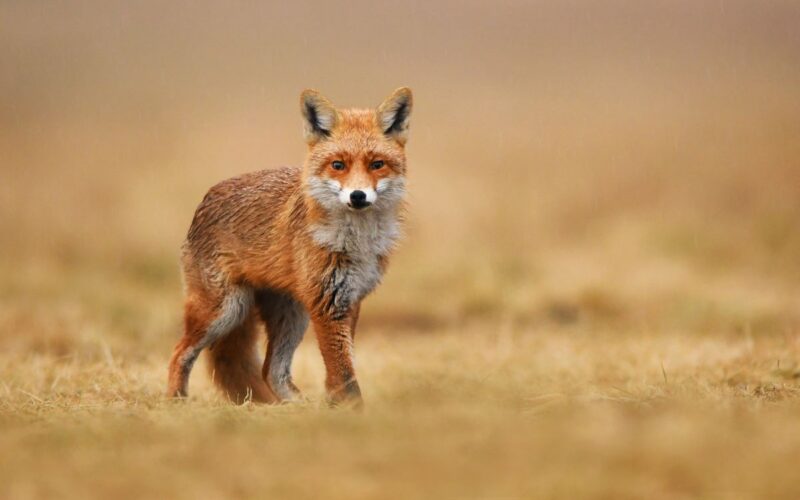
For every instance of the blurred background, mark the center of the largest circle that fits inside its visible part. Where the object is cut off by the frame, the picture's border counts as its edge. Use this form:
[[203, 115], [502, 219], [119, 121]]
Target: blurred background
[[600, 277], [569, 161]]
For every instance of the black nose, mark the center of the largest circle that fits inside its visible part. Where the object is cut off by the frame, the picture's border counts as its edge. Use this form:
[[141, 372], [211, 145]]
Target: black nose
[[358, 199]]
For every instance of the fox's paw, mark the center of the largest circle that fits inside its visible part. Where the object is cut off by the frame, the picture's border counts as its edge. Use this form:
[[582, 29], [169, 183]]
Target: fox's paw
[[347, 397], [285, 391], [177, 395]]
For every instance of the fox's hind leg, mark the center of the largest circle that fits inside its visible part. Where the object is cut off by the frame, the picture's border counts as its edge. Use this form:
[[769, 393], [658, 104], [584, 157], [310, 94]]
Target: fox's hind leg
[[206, 320], [199, 312], [286, 321]]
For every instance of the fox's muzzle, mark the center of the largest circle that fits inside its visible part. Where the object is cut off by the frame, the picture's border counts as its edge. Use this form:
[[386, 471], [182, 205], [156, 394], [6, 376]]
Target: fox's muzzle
[[358, 199]]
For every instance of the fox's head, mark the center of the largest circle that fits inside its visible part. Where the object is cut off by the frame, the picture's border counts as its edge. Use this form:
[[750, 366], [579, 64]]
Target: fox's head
[[356, 157]]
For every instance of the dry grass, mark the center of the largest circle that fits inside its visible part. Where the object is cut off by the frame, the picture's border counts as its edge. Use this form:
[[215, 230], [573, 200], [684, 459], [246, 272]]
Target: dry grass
[[598, 296], [482, 411]]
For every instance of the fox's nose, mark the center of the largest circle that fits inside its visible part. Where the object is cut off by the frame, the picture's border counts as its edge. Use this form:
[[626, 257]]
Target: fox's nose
[[358, 199]]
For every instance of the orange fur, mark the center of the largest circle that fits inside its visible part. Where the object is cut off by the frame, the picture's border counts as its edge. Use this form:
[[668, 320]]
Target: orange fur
[[288, 243]]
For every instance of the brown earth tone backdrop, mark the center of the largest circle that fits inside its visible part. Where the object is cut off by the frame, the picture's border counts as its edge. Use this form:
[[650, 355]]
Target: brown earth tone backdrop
[[598, 294]]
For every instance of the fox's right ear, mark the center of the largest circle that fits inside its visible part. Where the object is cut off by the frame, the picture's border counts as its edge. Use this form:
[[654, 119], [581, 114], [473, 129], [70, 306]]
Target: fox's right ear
[[319, 115]]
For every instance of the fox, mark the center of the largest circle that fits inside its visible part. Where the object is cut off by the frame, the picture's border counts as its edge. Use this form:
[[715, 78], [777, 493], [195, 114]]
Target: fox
[[289, 247]]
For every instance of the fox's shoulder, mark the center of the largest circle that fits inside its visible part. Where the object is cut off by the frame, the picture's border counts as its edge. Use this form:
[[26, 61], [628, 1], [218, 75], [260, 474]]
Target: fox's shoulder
[[282, 181], [239, 203]]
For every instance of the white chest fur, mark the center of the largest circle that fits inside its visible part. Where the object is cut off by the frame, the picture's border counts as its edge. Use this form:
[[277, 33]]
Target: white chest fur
[[364, 237]]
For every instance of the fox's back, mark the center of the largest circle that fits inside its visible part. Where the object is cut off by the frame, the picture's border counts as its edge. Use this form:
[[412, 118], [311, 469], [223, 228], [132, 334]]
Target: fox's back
[[245, 213]]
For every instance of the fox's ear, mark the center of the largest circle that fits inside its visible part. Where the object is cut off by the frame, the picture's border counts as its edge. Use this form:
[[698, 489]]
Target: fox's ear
[[394, 112], [319, 115]]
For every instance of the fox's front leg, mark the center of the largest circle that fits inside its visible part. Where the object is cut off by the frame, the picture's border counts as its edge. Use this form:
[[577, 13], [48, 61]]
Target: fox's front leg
[[336, 344]]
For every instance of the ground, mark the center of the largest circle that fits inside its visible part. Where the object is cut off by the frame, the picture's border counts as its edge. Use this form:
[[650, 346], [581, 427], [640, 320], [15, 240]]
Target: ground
[[572, 402]]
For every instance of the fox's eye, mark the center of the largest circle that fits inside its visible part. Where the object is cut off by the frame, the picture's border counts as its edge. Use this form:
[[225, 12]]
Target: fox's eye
[[337, 165], [375, 165]]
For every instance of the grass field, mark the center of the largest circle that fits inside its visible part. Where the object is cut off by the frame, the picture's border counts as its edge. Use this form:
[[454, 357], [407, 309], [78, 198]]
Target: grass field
[[598, 294]]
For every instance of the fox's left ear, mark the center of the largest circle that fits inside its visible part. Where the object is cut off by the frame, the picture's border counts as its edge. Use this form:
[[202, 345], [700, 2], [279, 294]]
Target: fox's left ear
[[393, 114]]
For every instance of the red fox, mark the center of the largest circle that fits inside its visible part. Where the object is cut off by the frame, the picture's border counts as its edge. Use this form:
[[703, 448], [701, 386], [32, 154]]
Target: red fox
[[291, 246]]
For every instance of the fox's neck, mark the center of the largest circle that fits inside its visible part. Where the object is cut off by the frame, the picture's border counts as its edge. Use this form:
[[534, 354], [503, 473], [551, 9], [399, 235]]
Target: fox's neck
[[365, 234]]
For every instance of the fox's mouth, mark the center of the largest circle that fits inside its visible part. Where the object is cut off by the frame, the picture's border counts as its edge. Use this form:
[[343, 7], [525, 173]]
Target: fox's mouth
[[359, 205]]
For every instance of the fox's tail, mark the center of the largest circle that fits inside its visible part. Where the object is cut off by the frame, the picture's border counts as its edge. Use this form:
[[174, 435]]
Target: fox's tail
[[235, 367]]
